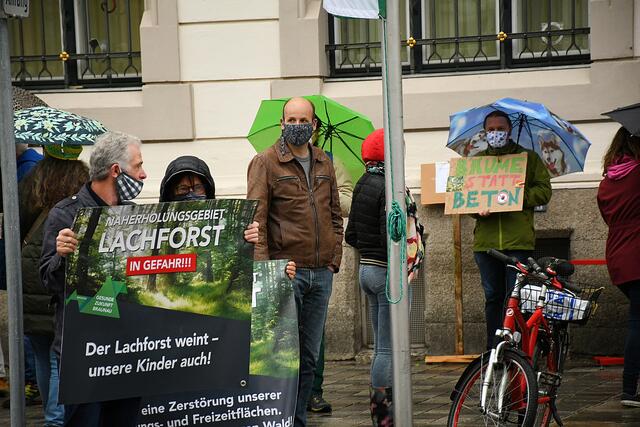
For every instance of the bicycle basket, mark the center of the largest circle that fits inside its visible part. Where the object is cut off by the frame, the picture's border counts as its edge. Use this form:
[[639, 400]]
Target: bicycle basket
[[562, 305]]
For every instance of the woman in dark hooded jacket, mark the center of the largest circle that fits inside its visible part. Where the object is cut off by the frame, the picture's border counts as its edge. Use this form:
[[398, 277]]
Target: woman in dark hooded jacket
[[189, 178]]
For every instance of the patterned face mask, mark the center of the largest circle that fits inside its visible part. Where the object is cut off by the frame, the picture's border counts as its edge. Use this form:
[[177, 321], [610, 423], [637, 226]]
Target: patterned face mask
[[190, 196], [128, 187], [298, 134], [497, 138]]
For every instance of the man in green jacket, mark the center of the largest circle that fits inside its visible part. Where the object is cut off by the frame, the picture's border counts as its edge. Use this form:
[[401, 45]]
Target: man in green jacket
[[509, 232]]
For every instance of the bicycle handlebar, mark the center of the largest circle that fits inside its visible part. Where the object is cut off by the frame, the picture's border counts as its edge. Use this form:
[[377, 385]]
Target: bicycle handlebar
[[502, 257], [534, 265], [533, 268], [560, 266]]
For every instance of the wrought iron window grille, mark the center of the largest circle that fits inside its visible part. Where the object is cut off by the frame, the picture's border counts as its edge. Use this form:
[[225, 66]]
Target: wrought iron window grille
[[76, 44], [513, 44]]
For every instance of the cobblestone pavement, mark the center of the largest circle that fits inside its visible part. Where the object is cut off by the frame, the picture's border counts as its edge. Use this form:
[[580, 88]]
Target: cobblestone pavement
[[590, 396]]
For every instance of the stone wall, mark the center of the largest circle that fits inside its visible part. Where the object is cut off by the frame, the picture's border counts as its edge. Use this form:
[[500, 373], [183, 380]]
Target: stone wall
[[571, 213]]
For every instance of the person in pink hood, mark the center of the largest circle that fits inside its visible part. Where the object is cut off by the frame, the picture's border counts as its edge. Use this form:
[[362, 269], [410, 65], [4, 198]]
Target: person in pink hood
[[620, 208]]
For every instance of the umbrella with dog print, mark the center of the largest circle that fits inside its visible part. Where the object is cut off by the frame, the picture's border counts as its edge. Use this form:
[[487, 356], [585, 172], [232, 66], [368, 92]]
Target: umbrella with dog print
[[560, 145]]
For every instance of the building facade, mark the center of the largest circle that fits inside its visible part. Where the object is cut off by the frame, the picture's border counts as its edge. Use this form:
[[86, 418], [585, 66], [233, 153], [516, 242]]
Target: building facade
[[187, 76]]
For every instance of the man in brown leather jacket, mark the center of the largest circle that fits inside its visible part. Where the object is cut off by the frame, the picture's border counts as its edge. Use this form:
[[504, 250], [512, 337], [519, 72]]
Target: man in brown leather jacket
[[299, 217]]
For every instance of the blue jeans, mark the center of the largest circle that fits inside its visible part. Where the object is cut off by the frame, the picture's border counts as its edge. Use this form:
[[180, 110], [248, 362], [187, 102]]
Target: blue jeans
[[47, 376], [497, 282], [312, 289], [373, 283], [631, 370], [30, 374]]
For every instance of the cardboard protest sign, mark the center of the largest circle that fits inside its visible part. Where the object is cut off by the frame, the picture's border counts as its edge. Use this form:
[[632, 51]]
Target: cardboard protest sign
[[269, 396], [479, 183], [158, 298]]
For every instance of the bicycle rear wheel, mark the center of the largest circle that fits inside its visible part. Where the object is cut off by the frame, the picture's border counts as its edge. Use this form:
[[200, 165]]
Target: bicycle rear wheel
[[519, 403]]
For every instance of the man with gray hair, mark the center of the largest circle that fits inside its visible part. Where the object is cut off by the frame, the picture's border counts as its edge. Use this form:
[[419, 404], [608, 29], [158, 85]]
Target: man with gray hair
[[116, 177]]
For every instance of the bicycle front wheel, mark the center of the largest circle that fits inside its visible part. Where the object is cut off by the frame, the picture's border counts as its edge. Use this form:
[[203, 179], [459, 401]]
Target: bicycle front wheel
[[512, 393]]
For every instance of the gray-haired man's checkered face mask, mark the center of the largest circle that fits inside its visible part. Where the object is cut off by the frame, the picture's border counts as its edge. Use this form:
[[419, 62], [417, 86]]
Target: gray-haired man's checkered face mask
[[128, 187]]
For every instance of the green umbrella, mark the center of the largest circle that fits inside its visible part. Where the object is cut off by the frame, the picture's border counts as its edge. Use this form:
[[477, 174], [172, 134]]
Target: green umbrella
[[45, 126], [341, 130]]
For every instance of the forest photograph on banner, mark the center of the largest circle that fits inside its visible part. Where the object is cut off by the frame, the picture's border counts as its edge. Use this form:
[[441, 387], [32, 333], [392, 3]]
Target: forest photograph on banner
[[268, 398], [158, 297]]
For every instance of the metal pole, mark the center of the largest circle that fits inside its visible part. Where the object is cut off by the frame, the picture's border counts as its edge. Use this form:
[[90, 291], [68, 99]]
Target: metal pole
[[395, 190], [11, 232]]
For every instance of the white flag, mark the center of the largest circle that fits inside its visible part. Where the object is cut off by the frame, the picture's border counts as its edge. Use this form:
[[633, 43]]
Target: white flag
[[367, 9]]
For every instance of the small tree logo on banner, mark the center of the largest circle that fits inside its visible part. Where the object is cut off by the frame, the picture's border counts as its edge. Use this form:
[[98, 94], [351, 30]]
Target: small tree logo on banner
[[16, 7]]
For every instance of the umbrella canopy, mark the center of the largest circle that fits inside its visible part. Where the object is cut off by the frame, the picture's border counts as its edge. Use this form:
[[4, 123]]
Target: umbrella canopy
[[340, 133], [559, 144], [628, 116], [45, 126], [24, 99]]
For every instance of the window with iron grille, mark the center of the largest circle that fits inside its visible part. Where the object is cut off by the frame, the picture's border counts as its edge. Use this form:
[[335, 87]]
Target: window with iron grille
[[466, 35], [77, 43]]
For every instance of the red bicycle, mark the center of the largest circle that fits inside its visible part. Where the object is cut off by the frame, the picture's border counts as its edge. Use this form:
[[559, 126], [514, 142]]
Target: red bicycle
[[516, 382]]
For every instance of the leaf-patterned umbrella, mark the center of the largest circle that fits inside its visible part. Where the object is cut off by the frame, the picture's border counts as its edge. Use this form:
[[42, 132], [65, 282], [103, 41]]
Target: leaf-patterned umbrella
[[45, 126]]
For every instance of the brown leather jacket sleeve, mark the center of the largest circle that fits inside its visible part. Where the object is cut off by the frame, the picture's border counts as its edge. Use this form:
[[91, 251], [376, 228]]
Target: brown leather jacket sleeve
[[258, 189]]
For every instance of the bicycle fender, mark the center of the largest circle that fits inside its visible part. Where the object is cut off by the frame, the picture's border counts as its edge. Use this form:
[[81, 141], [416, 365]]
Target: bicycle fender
[[465, 373], [520, 352]]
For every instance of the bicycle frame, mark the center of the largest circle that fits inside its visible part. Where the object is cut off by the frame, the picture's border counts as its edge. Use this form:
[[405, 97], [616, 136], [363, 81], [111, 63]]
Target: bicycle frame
[[517, 330]]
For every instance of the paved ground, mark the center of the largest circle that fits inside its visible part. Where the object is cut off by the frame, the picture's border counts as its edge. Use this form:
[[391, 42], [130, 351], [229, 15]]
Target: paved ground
[[589, 396]]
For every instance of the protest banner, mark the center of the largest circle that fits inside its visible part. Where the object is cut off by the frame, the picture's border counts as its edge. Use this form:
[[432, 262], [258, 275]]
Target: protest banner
[[269, 396], [479, 183], [158, 299]]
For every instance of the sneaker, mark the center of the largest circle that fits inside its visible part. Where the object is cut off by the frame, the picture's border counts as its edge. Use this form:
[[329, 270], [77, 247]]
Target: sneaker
[[630, 400], [318, 404], [32, 394]]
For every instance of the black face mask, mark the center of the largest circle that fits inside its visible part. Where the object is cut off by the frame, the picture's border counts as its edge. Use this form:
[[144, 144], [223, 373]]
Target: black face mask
[[190, 196]]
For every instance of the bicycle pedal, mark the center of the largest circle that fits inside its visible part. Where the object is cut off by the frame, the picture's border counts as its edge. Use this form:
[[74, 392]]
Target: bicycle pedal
[[549, 379]]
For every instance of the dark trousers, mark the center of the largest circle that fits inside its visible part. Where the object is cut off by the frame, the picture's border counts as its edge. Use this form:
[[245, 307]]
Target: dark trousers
[[318, 375], [312, 289], [121, 412], [497, 282], [631, 370]]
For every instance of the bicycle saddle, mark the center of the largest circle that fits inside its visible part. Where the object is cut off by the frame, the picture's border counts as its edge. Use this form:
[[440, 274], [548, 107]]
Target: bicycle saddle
[[560, 266]]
